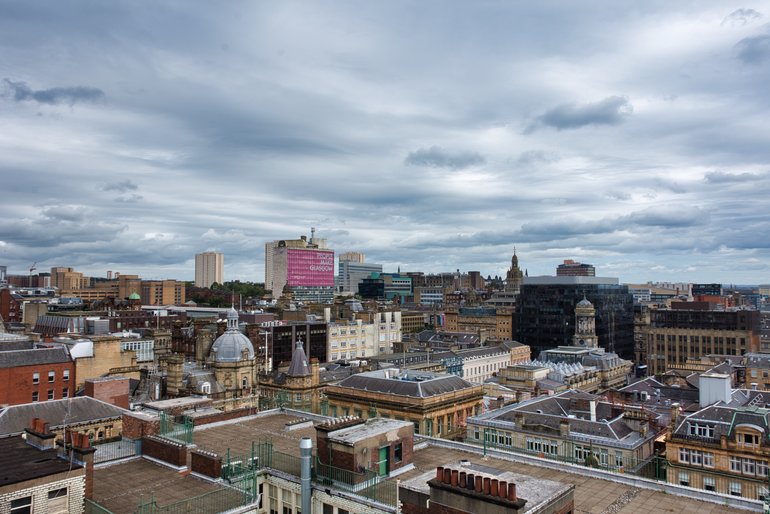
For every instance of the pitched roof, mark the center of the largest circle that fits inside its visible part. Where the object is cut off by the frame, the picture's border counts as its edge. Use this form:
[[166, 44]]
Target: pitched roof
[[409, 383], [58, 413], [22, 462], [37, 356], [299, 366]]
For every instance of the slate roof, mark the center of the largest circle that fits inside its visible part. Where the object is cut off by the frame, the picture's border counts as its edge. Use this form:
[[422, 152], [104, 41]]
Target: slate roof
[[58, 413], [548, 412], [299, 365], [35, 357], [415, 384]]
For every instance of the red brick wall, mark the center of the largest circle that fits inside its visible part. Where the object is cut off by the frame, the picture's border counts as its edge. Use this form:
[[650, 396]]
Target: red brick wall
[[16, 385], [137, 427], [113, 391], [167, 451], [205, 463]]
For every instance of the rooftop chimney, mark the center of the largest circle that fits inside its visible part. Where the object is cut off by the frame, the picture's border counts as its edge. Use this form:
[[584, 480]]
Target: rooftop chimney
[[305, 454], [40, 436]]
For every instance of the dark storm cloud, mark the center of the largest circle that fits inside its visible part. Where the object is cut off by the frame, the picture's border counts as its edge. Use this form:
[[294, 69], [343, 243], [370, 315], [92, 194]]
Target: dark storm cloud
[[741, 17], [612, 110], [69, 95], [121, 187], [437, 157], [754, 50]]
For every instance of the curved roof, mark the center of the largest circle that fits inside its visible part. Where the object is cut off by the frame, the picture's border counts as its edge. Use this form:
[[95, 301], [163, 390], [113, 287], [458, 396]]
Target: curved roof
[[585, 304], [134, 296], [229, 347]]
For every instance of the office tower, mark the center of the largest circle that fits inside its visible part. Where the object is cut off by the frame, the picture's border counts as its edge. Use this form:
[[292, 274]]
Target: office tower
[[352, 270], [572, 268], [209, 268], [305, 267], [545, 316]]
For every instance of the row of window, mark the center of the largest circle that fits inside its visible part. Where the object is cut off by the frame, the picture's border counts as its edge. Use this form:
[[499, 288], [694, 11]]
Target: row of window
[[696, 457], [51, 376], [749, 466], [57, 503], [700, 430], [65, 393]]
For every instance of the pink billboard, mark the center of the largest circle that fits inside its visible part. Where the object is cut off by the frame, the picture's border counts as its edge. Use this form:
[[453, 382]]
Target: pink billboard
[[310, 268]]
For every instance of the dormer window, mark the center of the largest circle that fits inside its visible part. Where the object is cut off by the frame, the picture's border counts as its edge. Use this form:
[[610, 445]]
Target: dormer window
[[748, 439], [701, 430]]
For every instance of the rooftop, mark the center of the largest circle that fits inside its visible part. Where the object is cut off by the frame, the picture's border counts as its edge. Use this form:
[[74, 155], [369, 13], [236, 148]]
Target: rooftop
[[14, 419], [372, 426], [23, 462], [416, 384]]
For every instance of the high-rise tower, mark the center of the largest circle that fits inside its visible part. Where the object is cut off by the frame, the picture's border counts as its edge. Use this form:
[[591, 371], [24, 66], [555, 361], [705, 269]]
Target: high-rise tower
[[209, 268]]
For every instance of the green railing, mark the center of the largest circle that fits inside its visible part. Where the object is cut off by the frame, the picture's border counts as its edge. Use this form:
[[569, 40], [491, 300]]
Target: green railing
[[116, 450], [182, 432], [220, 500]]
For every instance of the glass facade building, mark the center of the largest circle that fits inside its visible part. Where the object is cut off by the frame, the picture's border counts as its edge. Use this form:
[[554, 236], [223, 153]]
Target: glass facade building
[[545, 317]]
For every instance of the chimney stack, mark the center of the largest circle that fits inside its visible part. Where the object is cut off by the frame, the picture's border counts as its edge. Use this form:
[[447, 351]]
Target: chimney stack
[[40, 436], [83, 454]]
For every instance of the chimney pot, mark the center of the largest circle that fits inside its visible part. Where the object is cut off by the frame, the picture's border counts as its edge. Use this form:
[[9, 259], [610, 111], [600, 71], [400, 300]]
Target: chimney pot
[[503, 491], [478, 484], [463, 482], [455, 474], [512, 492], [471, 485], [440, 473], [493, 490], [447, 476], [487, 481]]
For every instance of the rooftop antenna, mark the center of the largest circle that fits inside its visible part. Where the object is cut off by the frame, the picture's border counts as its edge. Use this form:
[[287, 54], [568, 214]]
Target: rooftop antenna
[[312, 235]]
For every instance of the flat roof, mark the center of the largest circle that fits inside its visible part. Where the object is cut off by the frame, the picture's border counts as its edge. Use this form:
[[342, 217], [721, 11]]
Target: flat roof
[[372, 426], [568, 280]]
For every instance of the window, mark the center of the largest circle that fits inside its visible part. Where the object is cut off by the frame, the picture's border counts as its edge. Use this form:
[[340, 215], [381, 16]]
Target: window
[[66, 375], [398, 453], [735, 489], [286, 510], [65, 392], [328, 509], [34, 396], [762, 468], [22, 505], [50, 394], [748, 466], [709, 484], [57, 501], [476, 433], [735, 464], [618, 459], [708, 460], [51, 376], [684, 455], [35, 378], [684, 478]]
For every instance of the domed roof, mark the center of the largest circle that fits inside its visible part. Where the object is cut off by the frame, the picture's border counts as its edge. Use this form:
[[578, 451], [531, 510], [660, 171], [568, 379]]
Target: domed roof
[[229, 346], [134, 296], [585, 304]]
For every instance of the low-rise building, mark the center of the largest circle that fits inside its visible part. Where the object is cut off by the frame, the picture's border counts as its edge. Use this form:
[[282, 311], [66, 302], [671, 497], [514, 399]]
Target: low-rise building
[[571, 426], [36, 375], [437, 404]]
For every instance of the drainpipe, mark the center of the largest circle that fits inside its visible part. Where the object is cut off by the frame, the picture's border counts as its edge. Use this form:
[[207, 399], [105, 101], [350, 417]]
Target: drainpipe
[[305, 454]]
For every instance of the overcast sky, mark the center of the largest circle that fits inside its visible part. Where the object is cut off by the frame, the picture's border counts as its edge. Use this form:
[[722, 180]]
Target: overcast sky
[[433, 136]]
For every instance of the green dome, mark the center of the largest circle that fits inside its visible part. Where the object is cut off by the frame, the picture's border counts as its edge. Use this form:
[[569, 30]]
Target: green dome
[[134, 296]]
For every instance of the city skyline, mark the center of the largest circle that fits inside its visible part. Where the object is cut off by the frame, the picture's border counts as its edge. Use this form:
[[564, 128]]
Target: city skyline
[[430, 136]]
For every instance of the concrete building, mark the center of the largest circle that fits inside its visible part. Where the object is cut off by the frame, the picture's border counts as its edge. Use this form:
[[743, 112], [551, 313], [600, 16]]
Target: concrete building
[[352, 270], [209, 268], [306, 266], [162, 292], [357, 338], [436, 404], [480, 364], [676, 335]]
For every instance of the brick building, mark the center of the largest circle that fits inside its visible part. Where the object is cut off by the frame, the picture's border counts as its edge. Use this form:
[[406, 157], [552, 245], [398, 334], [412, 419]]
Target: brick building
[[36, 375]]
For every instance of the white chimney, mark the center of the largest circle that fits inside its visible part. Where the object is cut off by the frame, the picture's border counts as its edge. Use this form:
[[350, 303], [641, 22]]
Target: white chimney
[[714, 387], [592, 406]]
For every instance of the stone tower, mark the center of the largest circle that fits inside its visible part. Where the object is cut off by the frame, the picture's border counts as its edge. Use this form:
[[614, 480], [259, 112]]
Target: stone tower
[[585, 325]]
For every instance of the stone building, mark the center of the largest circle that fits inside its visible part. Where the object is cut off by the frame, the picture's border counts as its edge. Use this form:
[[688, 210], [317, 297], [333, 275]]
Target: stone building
[[297, 387], [436, 404]]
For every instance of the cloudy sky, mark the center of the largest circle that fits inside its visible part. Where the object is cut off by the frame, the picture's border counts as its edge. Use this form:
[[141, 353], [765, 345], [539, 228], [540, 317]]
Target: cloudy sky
[[428, 135]]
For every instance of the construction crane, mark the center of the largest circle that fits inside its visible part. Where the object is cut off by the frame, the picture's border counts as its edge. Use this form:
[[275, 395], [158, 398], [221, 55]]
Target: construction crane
[[31, 269]]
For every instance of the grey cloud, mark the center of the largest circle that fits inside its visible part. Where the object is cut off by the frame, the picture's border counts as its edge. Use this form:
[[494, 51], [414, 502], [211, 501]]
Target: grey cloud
[[537, 156], [56, 95], [718, 177], [121, 187], [133, 198], [741, 17], [437, 157], [612, 110], [755, 49]]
